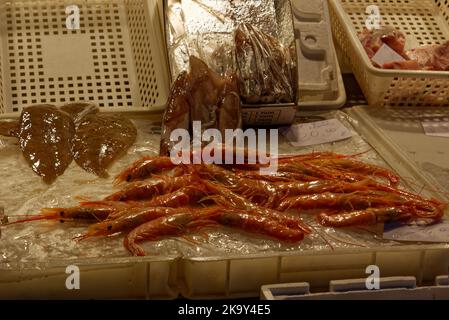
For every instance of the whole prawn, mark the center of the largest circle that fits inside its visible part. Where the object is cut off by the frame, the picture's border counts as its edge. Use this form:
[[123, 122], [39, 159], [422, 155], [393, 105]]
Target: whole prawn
[[260, 224], [351, 165], [372, 216], [260, 192], [130, 219], [142, 190], [184, 196], [354, 200], [144, 168], [179, 224], [171, 225], [224, 197], [86, 213]]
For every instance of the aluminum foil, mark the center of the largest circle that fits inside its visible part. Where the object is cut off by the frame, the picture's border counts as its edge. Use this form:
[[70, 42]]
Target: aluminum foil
[[205, 28]]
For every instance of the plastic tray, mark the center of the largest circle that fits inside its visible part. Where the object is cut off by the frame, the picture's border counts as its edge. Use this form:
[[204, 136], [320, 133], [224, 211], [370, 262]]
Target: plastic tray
[[394, 288], [242, 276], [239, 275], [115, 59], [403, 126], [100, 278], [107, 279], [424, 22], [320, 82]]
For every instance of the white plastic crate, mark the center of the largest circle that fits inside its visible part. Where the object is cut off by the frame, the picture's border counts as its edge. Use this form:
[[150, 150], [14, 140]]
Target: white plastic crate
[[242, 276], [423, 21], [125, 278], [404, 127], [394, 288], [239, 277], [115, 59]]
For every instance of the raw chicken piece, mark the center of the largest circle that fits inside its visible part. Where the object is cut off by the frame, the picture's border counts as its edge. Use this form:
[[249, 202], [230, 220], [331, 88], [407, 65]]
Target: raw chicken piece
[[372, 40], [402, 65], [441, 57], [432, 57], [429, 57]]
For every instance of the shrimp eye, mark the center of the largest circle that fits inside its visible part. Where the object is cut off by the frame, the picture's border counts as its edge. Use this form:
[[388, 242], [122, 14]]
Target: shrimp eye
[[109, 227], [62, 213], [128, 178], [62, 221]]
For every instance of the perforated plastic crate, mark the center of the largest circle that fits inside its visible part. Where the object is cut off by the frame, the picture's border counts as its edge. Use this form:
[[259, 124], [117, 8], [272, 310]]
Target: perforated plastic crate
[[424, 22], [115, 58]]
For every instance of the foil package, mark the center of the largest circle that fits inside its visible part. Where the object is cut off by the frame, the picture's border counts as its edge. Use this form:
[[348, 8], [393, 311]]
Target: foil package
[[261, 55]]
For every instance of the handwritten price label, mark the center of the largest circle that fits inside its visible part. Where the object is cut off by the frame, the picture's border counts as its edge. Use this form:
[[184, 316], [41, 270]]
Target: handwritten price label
[[385, 54], [438, 232], [308, 134]]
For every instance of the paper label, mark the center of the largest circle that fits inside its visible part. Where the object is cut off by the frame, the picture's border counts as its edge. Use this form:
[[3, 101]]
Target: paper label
[[436, 128], [435, 233], [308, 134], [385, 55], [268, 115]]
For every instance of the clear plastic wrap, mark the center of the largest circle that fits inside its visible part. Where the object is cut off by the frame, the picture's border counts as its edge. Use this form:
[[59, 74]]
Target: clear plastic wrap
[[264, 67], [254, 39], [22, 193], [201, 95]]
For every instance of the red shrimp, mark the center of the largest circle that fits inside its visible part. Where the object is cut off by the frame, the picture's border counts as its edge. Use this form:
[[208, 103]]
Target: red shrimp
[[80, 213], [368, 216], [185, 196], [355, 166], [141, 190], [130, 219], [355, 200], [144, 168], [260, 224], [257, 191], [224, 197], [171, 225]]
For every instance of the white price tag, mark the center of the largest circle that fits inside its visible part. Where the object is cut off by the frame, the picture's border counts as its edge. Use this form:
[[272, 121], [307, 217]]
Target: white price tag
[[385, 55], [438, 232], [308, 134], [436, 128]]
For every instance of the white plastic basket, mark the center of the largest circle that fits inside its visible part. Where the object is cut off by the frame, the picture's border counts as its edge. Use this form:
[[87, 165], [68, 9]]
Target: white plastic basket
[[115, 59], [424, 22]]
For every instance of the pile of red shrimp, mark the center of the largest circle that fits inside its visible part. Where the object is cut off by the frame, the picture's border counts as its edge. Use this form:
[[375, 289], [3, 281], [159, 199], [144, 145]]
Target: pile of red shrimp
[[158, 199]]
